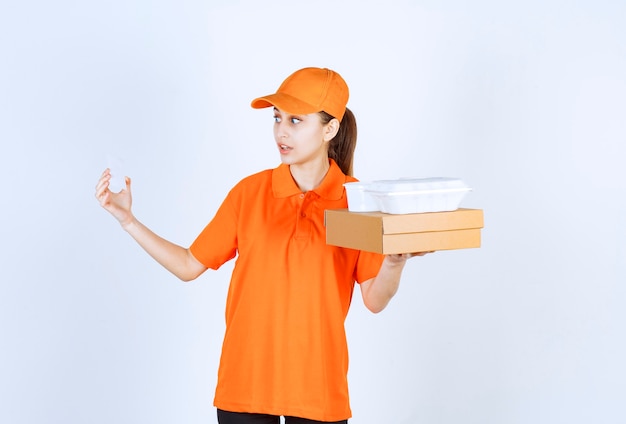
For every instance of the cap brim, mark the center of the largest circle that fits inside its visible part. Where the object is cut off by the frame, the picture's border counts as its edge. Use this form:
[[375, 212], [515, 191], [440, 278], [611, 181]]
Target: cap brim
[[285, 103]]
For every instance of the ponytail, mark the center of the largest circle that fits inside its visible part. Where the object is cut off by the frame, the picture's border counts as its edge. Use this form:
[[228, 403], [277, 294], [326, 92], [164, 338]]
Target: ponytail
[[341, 147]]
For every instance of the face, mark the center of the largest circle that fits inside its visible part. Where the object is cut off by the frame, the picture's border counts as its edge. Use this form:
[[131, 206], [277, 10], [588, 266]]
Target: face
[[302, 139]]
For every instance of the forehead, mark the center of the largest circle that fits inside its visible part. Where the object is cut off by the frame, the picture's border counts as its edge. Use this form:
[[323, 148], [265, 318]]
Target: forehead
[[283, 112]]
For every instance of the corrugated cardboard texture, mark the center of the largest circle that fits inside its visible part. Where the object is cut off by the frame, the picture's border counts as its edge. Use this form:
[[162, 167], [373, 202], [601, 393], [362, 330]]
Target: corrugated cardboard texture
[[385, 233]]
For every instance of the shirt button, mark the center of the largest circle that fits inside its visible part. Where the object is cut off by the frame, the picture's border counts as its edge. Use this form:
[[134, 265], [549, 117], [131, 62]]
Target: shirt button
[[303, 215], [301, 195]]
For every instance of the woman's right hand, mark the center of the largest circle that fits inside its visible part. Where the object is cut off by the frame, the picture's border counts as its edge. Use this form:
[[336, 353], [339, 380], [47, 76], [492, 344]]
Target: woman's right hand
[[118, 204]]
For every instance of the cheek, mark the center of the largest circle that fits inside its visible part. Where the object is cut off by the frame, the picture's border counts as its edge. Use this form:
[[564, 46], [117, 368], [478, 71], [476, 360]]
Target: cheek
[[275, 131], [315, 135]]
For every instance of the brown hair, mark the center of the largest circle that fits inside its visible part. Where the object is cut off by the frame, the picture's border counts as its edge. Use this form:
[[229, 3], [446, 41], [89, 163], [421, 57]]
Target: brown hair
[[341, 147]]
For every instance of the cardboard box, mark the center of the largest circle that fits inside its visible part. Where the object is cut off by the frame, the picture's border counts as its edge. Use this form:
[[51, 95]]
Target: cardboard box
[[421, 232]]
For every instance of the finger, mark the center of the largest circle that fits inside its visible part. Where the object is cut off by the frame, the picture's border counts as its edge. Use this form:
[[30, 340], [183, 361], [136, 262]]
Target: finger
[[101, 192], [397, 257], [127, 185], [103, 198], [106, 172], [104, 177], [422, 253], [103, 183]]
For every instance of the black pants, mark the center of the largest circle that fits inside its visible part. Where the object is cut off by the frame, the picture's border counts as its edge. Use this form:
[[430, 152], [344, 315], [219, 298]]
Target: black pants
[[225, 417]]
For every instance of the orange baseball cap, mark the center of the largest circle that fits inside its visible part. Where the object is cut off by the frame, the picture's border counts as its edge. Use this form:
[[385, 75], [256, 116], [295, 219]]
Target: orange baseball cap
[[309, 90]]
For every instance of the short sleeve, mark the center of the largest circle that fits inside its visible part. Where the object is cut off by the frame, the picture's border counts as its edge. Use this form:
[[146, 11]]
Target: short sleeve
[[367, 266], [217, 243]]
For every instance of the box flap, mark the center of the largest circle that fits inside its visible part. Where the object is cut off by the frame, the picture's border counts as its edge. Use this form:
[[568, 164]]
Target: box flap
[[433, 221], [459, 219]]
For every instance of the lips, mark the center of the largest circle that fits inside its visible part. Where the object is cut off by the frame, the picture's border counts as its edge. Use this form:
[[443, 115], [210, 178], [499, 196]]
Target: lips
[[284, 148]]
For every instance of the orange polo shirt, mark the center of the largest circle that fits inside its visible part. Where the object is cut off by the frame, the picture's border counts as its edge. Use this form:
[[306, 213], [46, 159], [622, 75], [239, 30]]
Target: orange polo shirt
[[285, 349]]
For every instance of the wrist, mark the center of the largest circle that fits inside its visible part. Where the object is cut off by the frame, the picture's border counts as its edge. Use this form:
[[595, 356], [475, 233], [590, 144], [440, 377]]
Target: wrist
[[128, 224]]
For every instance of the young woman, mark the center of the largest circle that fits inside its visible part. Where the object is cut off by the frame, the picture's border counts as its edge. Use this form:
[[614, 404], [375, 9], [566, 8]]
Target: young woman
[[284, 350]]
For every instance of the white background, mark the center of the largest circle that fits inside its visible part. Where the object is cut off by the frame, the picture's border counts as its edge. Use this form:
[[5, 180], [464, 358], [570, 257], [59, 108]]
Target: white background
[[526, 101]]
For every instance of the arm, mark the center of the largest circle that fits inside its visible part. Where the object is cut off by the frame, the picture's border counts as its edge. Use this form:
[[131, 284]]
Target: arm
[[176, 259], [378, 291]]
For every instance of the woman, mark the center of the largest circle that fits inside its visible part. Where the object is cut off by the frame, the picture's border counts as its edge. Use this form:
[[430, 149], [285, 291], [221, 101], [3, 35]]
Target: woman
[[284, 350]]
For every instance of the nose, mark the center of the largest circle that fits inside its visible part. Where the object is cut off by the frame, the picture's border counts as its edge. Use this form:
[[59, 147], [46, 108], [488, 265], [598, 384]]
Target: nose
[[280, 130]]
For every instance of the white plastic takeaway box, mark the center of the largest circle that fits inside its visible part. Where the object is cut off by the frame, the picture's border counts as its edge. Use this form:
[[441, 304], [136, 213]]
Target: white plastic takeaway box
[[358, 199], [418, 195]]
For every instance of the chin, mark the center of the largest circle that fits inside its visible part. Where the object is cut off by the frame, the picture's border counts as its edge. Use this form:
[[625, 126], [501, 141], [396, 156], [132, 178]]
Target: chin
[[287, 160]]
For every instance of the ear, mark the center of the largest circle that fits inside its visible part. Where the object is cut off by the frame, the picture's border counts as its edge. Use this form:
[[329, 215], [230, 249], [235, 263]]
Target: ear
[[331, 129]]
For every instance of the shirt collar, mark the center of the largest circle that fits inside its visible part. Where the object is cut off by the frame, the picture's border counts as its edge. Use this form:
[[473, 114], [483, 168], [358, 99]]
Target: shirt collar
[[331, 188]]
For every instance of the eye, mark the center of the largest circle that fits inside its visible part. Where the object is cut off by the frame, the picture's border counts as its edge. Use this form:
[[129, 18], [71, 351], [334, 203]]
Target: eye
[[276, 118], [295, 120]]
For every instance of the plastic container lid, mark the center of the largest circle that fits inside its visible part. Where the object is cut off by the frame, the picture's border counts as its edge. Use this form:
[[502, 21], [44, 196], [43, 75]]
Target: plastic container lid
[[417, 185], [418, 195]]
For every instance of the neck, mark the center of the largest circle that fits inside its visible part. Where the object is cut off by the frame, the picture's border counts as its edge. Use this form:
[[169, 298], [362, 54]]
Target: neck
[[310, 175]]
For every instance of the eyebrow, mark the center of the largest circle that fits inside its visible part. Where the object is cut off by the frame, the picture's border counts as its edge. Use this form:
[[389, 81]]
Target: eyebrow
[[294, 115]]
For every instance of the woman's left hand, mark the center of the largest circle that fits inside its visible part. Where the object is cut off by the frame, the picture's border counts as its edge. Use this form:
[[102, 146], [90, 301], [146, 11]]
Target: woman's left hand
[[397, 258]]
